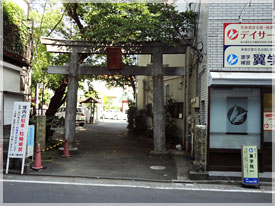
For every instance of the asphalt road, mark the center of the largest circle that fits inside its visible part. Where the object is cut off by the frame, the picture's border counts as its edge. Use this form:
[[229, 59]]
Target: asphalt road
[[68, 192]]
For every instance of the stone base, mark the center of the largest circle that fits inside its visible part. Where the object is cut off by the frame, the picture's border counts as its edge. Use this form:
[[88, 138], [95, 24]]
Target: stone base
[[198, 175], [72, 150], [46, 155], [160, 155]]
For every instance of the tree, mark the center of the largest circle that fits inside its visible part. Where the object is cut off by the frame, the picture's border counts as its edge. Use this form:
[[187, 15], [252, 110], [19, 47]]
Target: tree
[[103, 23], [122, 22], [49, 22]]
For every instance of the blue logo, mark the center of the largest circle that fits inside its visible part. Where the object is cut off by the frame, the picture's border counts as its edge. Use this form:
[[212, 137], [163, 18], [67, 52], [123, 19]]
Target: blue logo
[[232, 59], [250, 149]]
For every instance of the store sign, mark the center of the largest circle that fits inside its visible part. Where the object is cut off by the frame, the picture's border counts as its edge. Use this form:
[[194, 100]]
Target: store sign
[[248, 34], [250, 175], [269, 121], [249, 56], [19, 131], [248, 45]]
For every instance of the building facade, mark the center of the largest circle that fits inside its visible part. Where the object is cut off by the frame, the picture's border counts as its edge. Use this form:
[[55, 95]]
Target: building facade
[[239, 82], [227, 87]]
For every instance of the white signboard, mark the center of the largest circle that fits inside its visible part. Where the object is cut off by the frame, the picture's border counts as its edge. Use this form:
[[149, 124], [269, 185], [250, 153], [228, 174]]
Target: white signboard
[[18, 133], [269, 121], [248, 45], [248, 33], [30, 142], [250, 175], [249, 56]]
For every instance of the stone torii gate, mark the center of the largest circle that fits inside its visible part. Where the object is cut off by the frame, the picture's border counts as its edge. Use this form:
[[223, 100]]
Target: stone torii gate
[[156, 70]]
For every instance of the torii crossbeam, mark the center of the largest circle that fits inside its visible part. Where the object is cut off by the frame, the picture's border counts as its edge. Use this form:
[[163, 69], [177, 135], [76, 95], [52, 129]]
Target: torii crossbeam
[[157, 70]]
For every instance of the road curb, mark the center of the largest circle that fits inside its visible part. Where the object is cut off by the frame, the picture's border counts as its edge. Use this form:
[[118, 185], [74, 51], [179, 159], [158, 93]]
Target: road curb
[[175, 181]]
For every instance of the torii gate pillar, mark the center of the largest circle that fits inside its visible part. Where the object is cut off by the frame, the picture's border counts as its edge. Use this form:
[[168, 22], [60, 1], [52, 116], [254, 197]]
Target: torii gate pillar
[[71, 102], [158, 105]]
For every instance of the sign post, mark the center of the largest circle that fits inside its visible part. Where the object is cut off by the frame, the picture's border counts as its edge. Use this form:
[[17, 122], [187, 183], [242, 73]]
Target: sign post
[[250, 174], [18, 134]]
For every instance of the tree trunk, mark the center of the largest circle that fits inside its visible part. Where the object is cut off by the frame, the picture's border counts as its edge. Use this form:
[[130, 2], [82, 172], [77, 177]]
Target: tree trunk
[[58, 99]]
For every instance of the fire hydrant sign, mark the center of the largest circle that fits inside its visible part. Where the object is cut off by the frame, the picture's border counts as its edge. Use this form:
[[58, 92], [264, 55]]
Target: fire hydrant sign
[[250, 175], [269, 121], [248, 45], [19, 131]]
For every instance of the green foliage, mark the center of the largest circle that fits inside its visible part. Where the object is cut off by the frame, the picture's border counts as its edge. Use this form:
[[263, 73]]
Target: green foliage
[[122, 22], [44, 22], [137, 120], [16, 31]]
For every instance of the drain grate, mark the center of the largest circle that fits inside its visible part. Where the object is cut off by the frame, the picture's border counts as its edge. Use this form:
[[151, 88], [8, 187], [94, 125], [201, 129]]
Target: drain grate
[[157, 167]]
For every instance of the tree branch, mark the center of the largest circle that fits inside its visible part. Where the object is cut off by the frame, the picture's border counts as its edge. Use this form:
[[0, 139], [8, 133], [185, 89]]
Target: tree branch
[[56, 24]]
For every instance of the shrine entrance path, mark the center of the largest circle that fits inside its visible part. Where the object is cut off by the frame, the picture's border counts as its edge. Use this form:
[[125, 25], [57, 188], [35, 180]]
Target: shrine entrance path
[[106, 151]]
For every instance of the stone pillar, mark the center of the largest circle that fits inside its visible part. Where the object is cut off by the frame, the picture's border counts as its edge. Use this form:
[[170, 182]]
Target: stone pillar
[[41, 131], [200, 144], [71, 102], [158, 105]]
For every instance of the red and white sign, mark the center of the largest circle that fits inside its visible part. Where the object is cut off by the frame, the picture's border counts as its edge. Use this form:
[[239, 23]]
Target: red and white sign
[[269, 121], [19, 130], [248, 34]]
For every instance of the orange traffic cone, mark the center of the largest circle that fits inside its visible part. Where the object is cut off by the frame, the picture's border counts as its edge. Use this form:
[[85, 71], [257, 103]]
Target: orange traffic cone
[[66, 149], [37, 162]]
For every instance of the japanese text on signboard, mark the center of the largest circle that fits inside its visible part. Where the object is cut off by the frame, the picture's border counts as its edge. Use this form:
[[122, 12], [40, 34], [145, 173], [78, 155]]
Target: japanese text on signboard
[[19, 128], [248, 45]]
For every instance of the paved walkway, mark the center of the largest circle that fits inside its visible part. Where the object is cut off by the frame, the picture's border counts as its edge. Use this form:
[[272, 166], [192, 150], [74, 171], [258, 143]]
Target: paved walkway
[[106, 151]]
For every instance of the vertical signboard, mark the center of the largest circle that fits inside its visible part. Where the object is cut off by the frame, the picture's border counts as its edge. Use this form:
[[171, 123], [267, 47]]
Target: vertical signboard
[[250, 174], [18, 133], [30, 141]]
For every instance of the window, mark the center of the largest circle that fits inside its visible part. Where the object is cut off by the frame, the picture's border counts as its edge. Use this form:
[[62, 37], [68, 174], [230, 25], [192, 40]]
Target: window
[[235, 117], [177, 110]]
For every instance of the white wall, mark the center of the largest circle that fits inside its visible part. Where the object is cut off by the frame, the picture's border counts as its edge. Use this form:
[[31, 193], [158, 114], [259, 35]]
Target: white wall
[[11, 78], [9, 100]]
